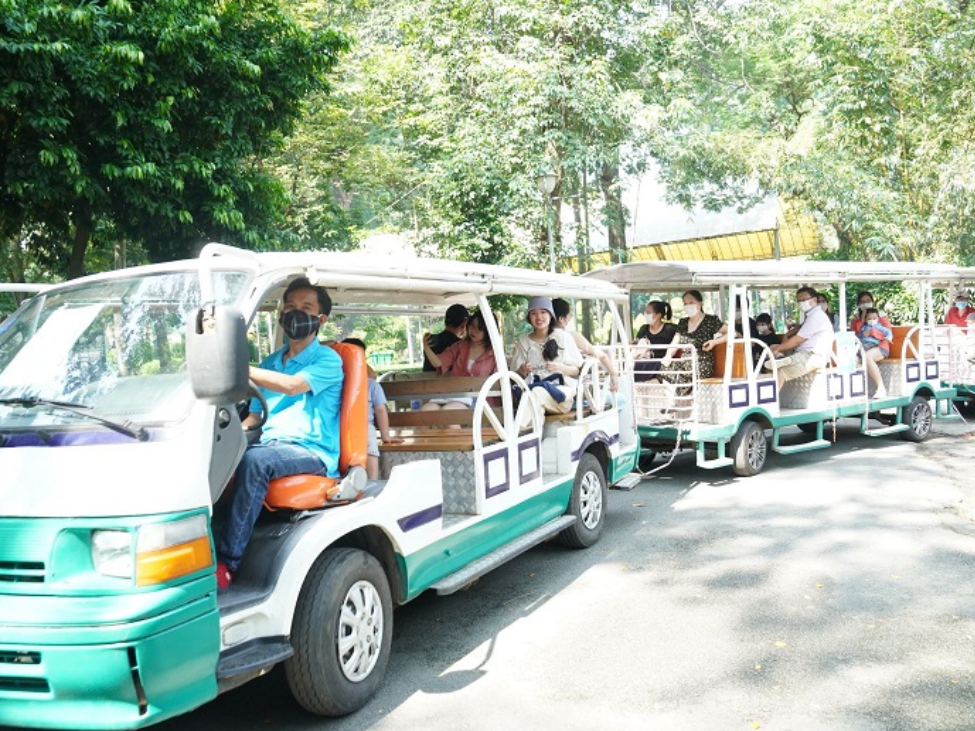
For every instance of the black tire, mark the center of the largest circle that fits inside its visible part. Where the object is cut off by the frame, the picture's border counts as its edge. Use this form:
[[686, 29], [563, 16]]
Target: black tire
[[919, 418], [749, 449], [587, 504], [645, 462], [316, 675]]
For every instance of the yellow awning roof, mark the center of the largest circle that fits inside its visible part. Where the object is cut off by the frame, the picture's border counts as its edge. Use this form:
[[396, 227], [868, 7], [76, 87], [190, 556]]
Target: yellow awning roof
[[798, 236]]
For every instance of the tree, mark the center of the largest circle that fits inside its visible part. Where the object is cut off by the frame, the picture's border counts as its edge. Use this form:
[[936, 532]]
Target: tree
[[145, 121], [444, 113], [859, 110]]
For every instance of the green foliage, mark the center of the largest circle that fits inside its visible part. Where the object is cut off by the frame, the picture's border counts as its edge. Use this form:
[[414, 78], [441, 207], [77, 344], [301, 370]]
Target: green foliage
[[859, 110], [444, 114], [145, 121]]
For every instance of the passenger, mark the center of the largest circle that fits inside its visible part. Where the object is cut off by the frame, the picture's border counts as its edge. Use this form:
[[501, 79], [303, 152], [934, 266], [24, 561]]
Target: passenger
[[455, 324], [302, 384], [961, 314], [696, 329], [865, 301], [766, 329], [876, 344], [563, 316], [658, 331], [812, 343], [378, 418], [834, 317], [739, 331], [547, 358], [472, 356]]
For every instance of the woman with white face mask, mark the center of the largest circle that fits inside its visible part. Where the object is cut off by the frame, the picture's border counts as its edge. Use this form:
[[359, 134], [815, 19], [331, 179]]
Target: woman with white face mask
[[959, 310], [657, 334], [865, 301], [698, 329]]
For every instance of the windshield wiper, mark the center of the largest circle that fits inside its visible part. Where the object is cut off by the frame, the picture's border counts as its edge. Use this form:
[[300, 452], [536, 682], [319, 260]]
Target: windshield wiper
[[129, 428]]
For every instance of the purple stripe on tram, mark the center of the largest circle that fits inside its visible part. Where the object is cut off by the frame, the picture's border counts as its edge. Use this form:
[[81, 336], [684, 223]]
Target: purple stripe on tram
[[422, 518], [596, 436], [86, 438]]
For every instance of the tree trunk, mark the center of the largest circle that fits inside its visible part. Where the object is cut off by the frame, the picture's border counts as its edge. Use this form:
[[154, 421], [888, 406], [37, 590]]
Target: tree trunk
[[613, 211], [79, 244], [582, 253]]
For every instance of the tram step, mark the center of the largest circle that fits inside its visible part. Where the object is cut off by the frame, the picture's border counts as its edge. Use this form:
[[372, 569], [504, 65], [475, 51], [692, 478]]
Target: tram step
[[476, 570], [253, 657], [716, 463], [884, 430], [804, 447], [628, 482]]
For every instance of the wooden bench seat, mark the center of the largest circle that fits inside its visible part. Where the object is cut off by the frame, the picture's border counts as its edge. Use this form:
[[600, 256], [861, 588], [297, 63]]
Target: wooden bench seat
[[437, 387], [441, 442], [897, 343]]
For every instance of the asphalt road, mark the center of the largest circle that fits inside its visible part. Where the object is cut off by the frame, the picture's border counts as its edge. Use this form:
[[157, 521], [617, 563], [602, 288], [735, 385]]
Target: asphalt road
[[833, 591]]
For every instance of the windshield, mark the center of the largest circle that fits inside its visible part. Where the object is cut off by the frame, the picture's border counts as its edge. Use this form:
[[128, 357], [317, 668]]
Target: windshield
[[116, 347]]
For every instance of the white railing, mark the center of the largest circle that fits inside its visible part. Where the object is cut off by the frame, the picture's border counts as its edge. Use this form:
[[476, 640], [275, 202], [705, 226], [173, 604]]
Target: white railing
[[594, 388], [664, 388], [954, 348]]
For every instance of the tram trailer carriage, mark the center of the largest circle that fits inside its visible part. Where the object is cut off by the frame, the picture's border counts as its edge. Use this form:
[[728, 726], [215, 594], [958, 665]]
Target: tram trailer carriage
[[956, 345], [735, 417]]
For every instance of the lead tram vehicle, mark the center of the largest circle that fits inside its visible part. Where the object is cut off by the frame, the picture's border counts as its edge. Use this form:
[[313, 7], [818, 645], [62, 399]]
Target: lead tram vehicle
[[119, 436]]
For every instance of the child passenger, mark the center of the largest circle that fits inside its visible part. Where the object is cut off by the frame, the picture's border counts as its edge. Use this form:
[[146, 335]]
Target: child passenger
[[378, 418], [547, 358], [876, 338]]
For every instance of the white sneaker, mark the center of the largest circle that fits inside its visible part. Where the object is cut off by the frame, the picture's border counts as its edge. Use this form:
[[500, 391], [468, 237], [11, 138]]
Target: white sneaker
[[880, 393]]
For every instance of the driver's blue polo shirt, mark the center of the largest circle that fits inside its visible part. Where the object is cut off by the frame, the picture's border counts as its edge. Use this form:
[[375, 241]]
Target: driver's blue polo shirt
[[310, 419]]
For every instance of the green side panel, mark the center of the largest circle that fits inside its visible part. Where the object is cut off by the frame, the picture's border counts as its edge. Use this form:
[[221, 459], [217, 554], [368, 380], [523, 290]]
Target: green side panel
[[448, 555], [97, 652], [624, 464]]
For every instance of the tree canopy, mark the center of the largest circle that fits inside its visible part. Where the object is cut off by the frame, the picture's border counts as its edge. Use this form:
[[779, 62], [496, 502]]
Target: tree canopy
[[158, 125], [147, 122]]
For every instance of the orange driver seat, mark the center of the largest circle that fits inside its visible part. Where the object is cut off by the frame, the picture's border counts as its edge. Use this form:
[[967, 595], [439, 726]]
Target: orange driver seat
[[308, 492]]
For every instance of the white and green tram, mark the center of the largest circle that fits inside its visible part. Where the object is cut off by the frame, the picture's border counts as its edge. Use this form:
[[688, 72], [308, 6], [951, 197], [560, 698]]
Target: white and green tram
[[736, 415], [114, 465]]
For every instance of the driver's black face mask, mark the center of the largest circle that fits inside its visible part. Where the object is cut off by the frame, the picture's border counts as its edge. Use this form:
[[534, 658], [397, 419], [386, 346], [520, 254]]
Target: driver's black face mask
[[298, 325]]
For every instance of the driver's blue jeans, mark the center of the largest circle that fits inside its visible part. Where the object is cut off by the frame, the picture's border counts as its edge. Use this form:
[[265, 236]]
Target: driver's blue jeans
[[260, 464]]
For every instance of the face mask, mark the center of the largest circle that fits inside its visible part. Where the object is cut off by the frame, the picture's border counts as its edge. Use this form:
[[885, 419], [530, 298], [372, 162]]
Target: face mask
[[691, 310], [652, 318], [737, 317], [961, 304], [763, 329], [866, 305], [807, 305], [871, 323], [299, 325]]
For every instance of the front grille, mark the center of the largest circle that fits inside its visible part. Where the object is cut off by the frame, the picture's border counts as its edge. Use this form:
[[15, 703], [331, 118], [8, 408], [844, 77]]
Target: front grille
[[10, 657], [31, 572], [24, 685]]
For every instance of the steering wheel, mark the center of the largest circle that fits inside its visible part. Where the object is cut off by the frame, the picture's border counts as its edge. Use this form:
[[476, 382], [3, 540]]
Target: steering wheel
[[243, 407]]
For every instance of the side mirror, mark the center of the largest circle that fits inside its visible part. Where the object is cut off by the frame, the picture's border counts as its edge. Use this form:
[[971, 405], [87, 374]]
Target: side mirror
[[217, 354]]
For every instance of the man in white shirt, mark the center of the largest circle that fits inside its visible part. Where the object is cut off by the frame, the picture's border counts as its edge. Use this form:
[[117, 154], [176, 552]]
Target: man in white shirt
[[812, 342]]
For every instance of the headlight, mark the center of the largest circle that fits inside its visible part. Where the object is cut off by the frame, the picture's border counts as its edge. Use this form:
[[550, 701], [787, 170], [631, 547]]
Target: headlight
[[111, 553], [166, 551]]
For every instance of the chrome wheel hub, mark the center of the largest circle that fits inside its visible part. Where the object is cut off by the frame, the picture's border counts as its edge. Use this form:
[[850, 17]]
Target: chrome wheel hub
[[360, 631], [590, 500]]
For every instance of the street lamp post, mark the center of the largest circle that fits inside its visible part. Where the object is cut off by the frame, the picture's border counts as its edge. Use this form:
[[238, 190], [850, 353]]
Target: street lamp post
[[546, 185]]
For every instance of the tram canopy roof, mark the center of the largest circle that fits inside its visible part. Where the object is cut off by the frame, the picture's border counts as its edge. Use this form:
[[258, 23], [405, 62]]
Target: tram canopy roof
[[675, 275]]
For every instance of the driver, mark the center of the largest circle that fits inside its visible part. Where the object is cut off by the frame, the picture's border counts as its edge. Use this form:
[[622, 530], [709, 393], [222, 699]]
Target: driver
[[302, 384]]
